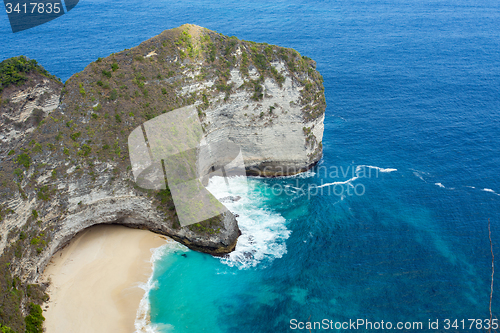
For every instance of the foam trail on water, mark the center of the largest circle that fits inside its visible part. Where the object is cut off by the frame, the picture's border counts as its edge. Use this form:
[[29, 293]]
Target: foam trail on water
[[349, 181], [360, 173], [263, 232], [377, 168], [142, 322], [418, 174], [490, 190]]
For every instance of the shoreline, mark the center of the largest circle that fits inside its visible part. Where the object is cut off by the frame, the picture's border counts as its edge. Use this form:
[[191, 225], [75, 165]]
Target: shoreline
[[95, 281]]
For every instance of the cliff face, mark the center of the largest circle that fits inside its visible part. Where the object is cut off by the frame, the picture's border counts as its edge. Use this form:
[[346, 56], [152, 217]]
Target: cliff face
[[65, 165], [23, 107]]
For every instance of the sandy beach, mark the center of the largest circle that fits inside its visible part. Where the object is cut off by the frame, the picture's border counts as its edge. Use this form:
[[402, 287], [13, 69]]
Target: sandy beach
[[95, 280]]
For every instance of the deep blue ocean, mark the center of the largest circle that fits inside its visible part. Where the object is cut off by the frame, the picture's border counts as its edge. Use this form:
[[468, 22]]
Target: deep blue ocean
[[413, 94]]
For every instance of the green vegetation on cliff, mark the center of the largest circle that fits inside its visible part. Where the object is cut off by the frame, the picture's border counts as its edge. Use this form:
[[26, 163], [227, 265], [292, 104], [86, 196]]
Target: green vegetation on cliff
[[14, 71], [13, 291], [35, 319]]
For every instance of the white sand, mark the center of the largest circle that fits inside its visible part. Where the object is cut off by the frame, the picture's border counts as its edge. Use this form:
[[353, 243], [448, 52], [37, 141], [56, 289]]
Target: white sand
[[95, 280]]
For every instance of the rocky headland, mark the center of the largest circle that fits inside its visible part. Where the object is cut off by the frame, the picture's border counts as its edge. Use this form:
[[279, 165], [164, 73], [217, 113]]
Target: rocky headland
[[64, 163]]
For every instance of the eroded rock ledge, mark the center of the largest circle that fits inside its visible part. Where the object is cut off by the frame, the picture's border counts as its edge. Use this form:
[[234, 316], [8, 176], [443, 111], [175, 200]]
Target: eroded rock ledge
[[64, 159]]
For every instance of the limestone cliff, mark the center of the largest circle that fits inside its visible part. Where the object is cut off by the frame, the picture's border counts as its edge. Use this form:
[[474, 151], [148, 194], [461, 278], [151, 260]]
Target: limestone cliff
[[25, 100], [64, 160]]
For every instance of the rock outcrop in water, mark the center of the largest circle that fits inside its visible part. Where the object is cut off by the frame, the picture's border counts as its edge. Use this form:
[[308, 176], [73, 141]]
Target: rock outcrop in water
[[64, 159]]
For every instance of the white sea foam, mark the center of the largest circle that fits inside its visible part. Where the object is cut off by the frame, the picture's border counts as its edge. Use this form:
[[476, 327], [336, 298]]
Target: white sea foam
[[360, 173], [377, 168], [439, 184], [302, 175], [490, 190], [307, 174], [349, 181], [263, 232], [142, 320]]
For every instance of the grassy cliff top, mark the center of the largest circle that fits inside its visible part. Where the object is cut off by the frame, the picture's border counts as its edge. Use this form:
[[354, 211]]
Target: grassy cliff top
[[14, 71]]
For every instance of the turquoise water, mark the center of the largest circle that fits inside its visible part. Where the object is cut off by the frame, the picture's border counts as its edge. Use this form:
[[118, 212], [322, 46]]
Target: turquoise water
[[413, 89]]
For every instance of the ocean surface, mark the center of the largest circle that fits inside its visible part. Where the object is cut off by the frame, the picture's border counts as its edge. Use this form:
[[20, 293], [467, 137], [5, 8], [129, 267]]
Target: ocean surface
[[392, 224]]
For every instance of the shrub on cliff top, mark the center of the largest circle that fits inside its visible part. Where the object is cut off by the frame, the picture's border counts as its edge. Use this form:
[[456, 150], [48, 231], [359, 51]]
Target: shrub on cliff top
[[14, 70], [106, 73], [24, 160], [35, 319]]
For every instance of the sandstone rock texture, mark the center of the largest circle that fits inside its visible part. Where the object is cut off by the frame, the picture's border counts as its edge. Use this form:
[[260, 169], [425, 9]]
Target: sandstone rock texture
[[64, 164], [24, 107]]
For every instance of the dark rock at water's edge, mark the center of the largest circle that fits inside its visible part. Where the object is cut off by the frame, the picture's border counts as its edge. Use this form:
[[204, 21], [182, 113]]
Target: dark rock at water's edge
[[230, 199]]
